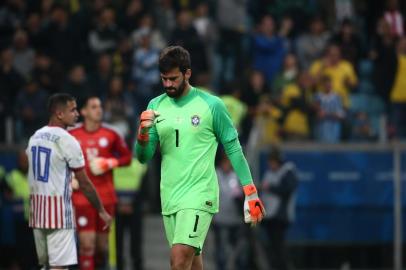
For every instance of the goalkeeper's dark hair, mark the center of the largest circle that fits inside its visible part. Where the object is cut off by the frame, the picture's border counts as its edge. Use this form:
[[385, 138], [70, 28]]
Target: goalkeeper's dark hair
[[57, 101], [174, 57]]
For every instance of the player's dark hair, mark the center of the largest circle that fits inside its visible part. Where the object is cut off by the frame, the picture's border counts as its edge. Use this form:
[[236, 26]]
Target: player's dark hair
[[174, 57], [57, 101], [84, 101]]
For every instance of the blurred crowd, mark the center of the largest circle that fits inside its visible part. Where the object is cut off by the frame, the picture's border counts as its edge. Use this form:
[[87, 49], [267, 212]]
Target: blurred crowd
[[297, 70]]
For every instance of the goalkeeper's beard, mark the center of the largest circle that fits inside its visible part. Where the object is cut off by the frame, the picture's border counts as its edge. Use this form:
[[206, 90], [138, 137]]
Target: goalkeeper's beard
[[178, 91]]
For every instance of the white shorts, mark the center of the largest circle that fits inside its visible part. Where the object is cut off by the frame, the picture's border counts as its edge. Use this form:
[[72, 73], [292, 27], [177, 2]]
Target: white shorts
[[56, 247]]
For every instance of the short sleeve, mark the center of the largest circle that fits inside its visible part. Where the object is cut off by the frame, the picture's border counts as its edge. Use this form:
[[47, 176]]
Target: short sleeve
[[222, 123], [72, 152]]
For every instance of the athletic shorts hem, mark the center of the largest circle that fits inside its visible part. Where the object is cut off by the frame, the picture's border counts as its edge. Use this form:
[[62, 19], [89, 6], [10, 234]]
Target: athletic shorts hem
[[168, 213]]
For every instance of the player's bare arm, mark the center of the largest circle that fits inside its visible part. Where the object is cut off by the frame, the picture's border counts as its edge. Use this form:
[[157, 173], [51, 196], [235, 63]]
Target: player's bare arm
[[89, 191]]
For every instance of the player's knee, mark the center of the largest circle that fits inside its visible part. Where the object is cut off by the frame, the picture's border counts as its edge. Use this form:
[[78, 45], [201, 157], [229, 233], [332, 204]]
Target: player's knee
[[197, 263], [87, 249], [87, 244], [180, 262], [179, 265], [102, 248]]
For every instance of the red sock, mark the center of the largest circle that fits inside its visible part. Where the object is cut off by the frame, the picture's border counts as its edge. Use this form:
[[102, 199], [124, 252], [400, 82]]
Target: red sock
[[86, 262]]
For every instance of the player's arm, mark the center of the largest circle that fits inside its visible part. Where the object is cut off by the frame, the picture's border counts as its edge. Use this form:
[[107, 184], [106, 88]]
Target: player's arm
[[73, 155], [254, 210], [147, 137], [90, 193], [100, 165], [122, 151], [226, 133]]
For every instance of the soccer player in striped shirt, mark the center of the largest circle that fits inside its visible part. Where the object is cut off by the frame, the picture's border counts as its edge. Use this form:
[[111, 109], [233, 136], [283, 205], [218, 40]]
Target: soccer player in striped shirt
[[53, 154], [188, 123]]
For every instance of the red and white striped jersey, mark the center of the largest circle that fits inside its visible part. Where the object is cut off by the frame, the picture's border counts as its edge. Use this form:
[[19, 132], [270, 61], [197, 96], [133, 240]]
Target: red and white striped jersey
[[52, 154]]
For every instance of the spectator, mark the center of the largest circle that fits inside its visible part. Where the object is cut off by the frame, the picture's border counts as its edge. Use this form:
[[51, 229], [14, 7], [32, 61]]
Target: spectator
[[11, 18], [204, 24], [394, 18], [251, 94], [100, 78], [29, 108], [344, 10], [349, 42], [165, 18], [361, 128], [398, 92], [207, 30], [185, 35], [10, 83], [118, 108], [287, 33], [330, 113], [279, 186], [34, 26], [129, 20], [24, 55], [147, 25], [46, 8], [287, 75], [268, 49], [383, 54], [232, 28], [123, 58], [145, 72], [103, 38], [62, 41], [340, 71], [310, 45], [236, 108], [266, 129], [77, 85], [296, 101], [228, 252], [47, 73]]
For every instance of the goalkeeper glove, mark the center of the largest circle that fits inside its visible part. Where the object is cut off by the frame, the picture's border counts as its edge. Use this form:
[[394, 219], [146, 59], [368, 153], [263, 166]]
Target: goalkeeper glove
[[147, 120], [101, 165], [254, 210]]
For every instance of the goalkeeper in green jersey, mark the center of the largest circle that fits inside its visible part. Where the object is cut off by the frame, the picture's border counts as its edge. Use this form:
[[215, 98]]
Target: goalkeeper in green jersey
[[188, 124]]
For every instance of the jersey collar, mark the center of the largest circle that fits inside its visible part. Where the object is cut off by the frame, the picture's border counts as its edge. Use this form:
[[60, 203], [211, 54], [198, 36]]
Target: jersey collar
[[185, 99]]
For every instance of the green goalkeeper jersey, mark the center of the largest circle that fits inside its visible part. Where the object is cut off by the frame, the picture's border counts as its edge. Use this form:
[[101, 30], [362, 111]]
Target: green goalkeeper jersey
[[188, 131]]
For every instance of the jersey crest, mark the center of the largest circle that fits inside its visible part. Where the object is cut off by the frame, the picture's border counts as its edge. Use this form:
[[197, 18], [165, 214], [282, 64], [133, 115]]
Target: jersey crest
[[103, 142], [195, 120]]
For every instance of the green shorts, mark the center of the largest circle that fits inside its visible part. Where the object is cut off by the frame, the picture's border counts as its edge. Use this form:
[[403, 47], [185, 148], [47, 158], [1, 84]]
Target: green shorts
[[188, 227]]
